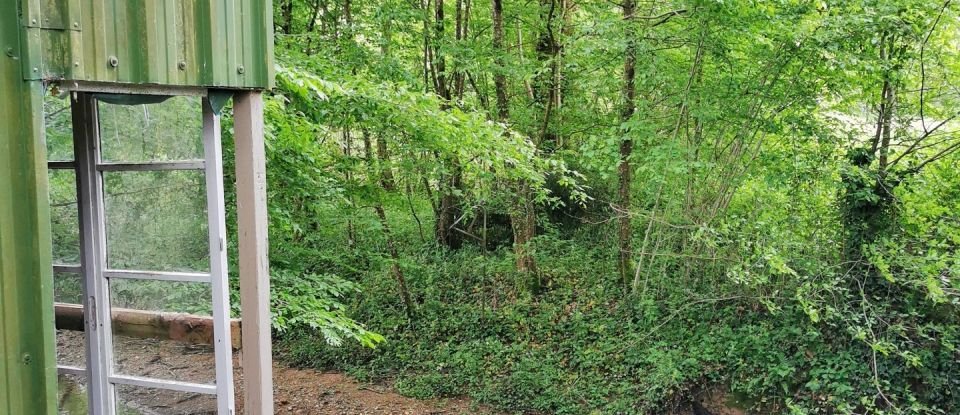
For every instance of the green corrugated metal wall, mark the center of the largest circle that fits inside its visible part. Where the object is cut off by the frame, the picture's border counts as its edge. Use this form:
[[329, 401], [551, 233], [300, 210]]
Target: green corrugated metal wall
[[28, 364], [213, 43], [221, 43]]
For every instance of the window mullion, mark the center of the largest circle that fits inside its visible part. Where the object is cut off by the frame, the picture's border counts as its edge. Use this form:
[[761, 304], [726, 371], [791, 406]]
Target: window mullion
[[96, 305]]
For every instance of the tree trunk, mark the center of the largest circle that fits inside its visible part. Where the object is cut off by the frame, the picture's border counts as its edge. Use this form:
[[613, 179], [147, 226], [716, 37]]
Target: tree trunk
[[523, 221], [425, 5], [386, 172], [545, 85], [450, 209], [367, 148], [348, 152], [286, 16], [450, 183], [311, 25], [499, 77], [887, 120], [625, 229], [463, 24], [439, 61], [395, 263], [866, 217], [523, 216]]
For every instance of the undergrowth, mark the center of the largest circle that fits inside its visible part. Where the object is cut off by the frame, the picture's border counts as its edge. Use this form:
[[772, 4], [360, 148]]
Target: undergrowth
[[582, 346]]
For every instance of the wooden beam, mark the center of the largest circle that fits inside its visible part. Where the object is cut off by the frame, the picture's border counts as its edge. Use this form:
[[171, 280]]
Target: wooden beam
[[256, 357], [181, 327]]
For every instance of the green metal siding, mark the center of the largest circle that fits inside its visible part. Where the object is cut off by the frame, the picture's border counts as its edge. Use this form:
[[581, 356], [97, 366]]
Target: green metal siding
[[27, 356], [208, 43], [216, 43]]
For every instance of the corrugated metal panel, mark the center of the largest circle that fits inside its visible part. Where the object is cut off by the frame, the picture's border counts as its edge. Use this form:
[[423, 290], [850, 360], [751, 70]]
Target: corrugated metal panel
[[218, 43], [27, 358]]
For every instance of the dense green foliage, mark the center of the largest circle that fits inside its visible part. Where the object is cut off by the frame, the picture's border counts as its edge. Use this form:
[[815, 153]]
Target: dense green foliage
[[586, 206], [784, 173]]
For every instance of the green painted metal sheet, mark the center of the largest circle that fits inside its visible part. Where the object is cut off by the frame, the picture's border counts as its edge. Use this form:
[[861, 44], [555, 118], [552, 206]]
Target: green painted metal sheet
[[27, 354], [215, 43]]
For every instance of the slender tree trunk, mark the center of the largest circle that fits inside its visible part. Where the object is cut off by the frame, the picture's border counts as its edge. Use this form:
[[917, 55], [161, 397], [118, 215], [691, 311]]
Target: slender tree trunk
[[560, 83], [286, 16], [383, 154], [887, 121], [386, 172], [523, 216], [526, 82], [881, 117], [625, 229], [348, 152], [367, 148], [463, 23], [450, 208], [311, 25], [413, 211], [545, 85], [332, 21], [439, 60], [392, 250], [524, 224], [451, 183], [386, 39], [499, 77], [425, 6], [395, 263]]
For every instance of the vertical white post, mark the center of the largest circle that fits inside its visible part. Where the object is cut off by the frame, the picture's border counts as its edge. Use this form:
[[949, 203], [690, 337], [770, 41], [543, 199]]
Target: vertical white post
[[254, 267], [220, 286], [96, 301]]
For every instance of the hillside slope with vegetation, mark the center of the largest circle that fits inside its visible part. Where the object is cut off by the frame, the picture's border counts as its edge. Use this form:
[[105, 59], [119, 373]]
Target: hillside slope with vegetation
[[615, 207]]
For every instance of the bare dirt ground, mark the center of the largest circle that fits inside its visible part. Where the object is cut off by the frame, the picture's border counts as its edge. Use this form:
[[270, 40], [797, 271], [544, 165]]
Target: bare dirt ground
[[311, 392], [296, 391]]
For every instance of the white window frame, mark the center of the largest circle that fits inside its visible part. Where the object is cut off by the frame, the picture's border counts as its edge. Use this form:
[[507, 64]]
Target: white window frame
[[101, 377]]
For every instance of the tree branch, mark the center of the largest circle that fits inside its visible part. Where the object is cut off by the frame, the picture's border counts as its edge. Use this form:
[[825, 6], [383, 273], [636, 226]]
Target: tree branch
[[923, 72]]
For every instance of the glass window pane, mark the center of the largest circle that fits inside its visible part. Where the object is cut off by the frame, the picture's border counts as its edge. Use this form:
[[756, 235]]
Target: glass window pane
[[133, 400], [170, 130], [72, 395], [156, 221], [64, 217], [71, 348], [162, 330], [58, 130], [67, 288], [162, 296]]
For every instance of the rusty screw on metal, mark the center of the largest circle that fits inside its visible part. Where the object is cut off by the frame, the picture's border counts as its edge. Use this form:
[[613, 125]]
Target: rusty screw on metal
[[113, 61], [182, 65], [240, 69]]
